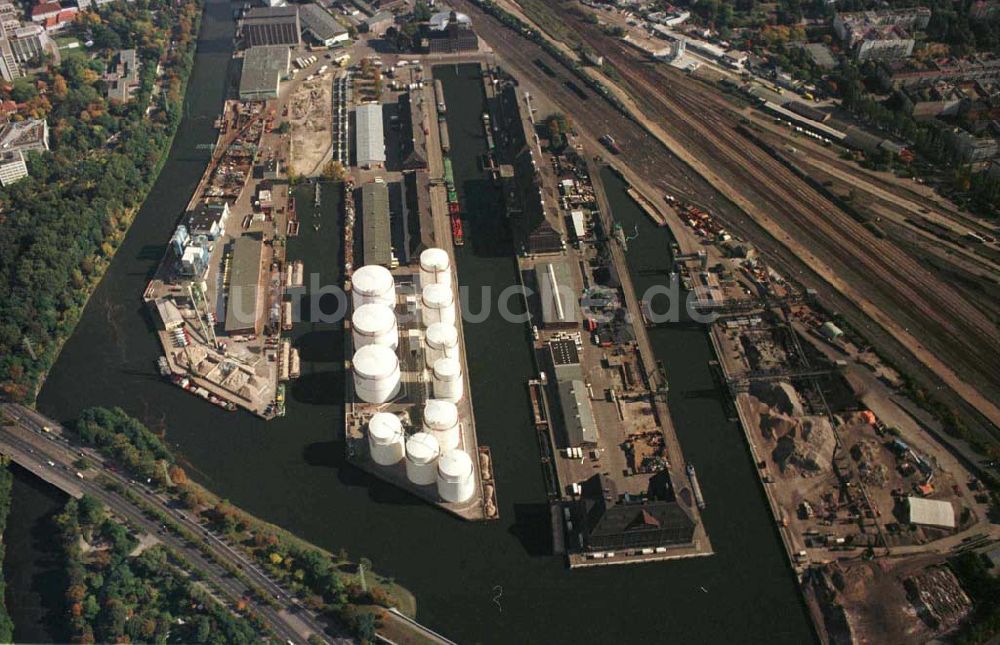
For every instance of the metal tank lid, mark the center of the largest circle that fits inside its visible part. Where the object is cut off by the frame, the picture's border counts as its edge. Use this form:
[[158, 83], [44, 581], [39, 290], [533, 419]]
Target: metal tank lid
[[375, 361], [447, 369], [434, 259], [372, 278], [385, 426], [440, 414], [374, 318], [455, 464], [438, 295], [422, 448], [442, 335]]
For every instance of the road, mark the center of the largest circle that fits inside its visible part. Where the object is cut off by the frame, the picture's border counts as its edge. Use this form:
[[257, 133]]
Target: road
[[27, 443]]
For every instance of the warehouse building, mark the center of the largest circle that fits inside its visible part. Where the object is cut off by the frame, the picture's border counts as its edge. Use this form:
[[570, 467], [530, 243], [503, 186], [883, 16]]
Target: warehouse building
[[376, 235], [321, 26], [208, 220], [578, 414], [272, 26], [560, 305], [370, 143], [611, 523], [263, 69], [244, 306], [931, 512]]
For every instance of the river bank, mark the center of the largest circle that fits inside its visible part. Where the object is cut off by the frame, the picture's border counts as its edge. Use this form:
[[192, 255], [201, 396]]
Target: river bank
[[474, 583]]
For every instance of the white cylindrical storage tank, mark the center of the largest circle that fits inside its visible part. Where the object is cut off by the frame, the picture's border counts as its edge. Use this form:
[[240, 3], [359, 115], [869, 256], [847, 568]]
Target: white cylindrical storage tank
[[441, 421], [456, 481], [376, 373], [374, 324], [448, 379], [386, 438], [435, 267], [438, 305], [373, 283], [422, 451], [442, 342]]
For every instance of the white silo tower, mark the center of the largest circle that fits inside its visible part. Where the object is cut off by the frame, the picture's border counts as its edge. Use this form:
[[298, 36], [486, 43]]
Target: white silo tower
[[455, 480], [422, 451], [386, 438], [374, 324], [435, 267], [373, 283], [438, 305], [448, 379], [376, 373], [442, 342], [441, 421]]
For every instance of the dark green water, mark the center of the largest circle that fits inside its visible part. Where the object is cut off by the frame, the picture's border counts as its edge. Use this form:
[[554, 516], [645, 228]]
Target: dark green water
[[292, 471], [33, 565]]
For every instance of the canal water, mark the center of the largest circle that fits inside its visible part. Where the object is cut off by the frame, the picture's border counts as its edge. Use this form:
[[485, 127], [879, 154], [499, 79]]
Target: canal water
[[491, 582], [33, 564]]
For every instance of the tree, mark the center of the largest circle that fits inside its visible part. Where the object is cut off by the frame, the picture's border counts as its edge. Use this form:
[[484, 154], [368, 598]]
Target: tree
[[334, 171]]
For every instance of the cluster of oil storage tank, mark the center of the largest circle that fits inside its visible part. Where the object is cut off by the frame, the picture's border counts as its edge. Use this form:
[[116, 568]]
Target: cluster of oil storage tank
[[375, 334], [432, 454]]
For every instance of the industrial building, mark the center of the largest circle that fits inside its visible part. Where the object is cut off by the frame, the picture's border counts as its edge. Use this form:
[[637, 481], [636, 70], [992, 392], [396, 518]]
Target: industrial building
[[578, 414], [931, 512], [450, 32], [611, 522], [263, 69], [272, 26], [321, 26], [559, 301], [378, 24], [376, 236], [208, 220], [370, 144], [244, 304], [413, 118]]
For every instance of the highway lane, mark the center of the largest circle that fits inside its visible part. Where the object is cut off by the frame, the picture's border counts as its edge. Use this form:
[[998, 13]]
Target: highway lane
[[28, 442]]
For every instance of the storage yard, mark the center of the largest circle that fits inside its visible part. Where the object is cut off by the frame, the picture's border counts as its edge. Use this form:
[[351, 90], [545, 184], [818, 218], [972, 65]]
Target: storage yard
[[409, 416], [918, 319]]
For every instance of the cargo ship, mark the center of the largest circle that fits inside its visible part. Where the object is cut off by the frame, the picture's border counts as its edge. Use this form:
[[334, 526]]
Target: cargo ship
[[699, 499], [609, 142]]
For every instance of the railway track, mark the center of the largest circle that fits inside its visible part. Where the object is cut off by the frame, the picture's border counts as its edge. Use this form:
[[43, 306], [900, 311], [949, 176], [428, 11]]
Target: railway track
[[894, 275], [948, 338]]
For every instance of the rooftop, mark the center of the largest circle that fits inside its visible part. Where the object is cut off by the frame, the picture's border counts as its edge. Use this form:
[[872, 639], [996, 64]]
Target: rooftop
[[263, 67], [272, 26], [931, 512], [376, 238], [371, 139], [319, 23], [243, 306]]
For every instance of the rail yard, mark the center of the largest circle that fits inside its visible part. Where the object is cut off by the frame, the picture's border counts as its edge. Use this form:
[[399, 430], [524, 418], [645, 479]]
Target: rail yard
[[863, 276]]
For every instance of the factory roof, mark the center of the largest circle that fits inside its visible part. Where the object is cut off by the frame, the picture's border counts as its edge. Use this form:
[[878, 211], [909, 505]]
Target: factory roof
[[243, 306], [272, 26], [611, 524], [375, 220], [371, 140], [560, 305], [442, 19], [578, 414], [263, 67], [319, 23], [931, 512]]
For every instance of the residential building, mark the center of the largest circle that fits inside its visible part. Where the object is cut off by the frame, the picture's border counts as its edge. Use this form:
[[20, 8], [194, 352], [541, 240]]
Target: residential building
[[12, 167], [24, 136], [977, 67], [122, 78], [880, 35]]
